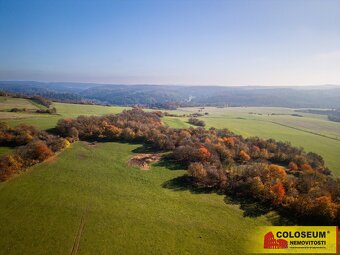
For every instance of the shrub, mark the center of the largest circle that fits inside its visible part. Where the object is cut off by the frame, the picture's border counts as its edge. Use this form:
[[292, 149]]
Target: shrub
[[10, 165], [196, 122]]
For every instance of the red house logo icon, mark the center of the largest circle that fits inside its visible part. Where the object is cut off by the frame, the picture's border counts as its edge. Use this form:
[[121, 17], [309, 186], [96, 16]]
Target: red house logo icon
[[271, 243]]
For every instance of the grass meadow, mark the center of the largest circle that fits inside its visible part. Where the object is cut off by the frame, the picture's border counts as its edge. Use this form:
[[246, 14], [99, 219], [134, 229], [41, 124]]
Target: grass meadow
[[125, 210]]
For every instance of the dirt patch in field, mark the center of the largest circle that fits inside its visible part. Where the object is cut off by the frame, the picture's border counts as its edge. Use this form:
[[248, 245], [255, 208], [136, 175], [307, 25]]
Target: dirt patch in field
[[90, 144], [81, 156], [143, 161]]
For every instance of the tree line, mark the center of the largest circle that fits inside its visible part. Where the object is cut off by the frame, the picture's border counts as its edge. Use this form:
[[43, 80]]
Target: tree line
[[333, 115], [32, 146], [271, 172]]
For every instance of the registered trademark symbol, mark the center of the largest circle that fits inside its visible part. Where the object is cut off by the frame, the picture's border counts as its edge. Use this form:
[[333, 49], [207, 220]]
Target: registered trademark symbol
[[328, 232]]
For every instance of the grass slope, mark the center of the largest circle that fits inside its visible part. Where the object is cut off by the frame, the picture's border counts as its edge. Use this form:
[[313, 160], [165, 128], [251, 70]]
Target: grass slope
[[129, 210], [7, 103]]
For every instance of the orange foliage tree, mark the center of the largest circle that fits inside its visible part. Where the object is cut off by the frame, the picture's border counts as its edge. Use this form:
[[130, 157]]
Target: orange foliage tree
[[279, 192], [244, 156], [306, 167], [292, 166], [40, 151], [277, 171], [204, 152], [324, 207], [230, 140]]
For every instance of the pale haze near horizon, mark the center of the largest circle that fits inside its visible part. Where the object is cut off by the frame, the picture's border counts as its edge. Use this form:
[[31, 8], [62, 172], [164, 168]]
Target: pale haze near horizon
[[171, 42]]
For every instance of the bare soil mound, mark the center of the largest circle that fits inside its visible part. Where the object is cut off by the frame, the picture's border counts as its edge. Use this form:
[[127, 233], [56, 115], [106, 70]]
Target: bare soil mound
[[90, 144], [143, 161]]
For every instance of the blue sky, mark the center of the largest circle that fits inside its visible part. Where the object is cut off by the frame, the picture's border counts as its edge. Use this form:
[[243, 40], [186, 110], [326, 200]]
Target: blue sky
[[291, 42]]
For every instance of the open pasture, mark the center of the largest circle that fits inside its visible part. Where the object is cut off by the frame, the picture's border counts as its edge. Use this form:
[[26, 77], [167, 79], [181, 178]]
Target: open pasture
[[106, 207]]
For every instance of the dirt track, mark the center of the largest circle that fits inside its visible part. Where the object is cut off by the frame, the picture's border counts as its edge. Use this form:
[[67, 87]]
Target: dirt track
[[76, 242]]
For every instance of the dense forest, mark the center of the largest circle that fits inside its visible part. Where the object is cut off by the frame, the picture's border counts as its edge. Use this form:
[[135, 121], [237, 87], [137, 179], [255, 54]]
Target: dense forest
[[171, 96]]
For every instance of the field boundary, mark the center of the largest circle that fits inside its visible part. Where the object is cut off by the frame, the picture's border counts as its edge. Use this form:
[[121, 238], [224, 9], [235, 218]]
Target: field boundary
[[39, 106], [284, 125], [304, 130]]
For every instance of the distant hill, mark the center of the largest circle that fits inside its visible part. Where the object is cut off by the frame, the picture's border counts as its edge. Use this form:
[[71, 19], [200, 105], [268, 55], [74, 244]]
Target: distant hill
[[170, 96]]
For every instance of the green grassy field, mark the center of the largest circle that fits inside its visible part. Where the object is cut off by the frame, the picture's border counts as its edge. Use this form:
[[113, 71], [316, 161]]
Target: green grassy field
[[7, 103], [125, 210], [46, 121]]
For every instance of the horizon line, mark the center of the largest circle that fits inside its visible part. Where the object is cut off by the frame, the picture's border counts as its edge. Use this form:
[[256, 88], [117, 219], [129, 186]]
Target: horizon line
[[169, 84]]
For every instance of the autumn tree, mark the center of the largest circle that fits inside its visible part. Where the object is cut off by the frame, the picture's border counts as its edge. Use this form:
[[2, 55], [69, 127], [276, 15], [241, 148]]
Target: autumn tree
[[244, 156], [277, 172], [306, 167], [229, 140], [325, 210], [196, 170], [292, 166], [204, 153], [279, 192], [40, 151], [10, 165]]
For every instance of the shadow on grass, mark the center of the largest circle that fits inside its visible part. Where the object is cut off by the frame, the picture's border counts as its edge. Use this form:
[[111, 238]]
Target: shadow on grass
[[255, 209], [168, 162], [183, 183], [250, 208], [144, 149], [53, 131]]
